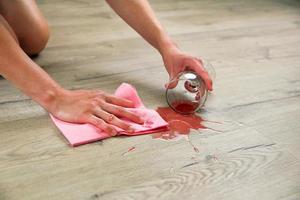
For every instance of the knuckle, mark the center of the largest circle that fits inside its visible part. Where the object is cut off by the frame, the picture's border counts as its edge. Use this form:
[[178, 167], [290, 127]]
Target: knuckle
[[108, 98], [100, 94], [91, 103], [99, 123], [100, 101], [120, 110], [94, 103], [111, 118], [125, 125], [110, 129]]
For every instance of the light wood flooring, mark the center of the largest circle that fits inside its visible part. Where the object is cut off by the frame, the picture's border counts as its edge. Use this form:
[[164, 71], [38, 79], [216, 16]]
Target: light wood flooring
[[254, 46]]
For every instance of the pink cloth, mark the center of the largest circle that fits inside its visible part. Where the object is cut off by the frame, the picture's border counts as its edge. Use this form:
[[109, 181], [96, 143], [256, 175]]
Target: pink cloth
[[78, 134]]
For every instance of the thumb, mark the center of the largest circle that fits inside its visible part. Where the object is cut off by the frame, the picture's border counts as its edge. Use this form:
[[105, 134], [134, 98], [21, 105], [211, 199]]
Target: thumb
[[172, 83]]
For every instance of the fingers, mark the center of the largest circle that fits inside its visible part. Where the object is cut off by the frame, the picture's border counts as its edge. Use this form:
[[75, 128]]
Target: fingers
[[101, 124], [173, 80], [108, 108], [112, 119], [172, 84], [122, 112], [199, 69], [119, 101]]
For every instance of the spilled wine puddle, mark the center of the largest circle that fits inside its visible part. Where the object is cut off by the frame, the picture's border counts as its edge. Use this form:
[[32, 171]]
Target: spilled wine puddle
[[179, 126], [168, 114], [185, 107]]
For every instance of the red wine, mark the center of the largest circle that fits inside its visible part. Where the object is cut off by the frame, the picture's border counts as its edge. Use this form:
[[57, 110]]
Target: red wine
[[185, 107]]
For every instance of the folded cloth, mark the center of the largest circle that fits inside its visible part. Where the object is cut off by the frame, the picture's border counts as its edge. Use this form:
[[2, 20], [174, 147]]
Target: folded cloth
[[78, 134]]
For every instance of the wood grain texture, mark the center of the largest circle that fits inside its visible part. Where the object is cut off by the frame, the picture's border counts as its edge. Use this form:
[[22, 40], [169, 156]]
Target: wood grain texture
[[255, 48]]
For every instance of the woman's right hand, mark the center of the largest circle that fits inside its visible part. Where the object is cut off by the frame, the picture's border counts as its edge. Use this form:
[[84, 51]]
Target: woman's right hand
[[95, 107]]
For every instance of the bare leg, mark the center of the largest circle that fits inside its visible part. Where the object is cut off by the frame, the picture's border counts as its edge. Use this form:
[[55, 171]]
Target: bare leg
[[28, 24], [8, 28]]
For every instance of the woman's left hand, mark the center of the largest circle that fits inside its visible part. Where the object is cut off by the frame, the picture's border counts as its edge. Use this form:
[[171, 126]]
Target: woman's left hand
[[177, 61]]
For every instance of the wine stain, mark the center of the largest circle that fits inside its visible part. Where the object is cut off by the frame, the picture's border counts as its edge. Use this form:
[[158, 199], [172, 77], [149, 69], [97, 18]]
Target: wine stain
[[193, 121], [185, 107], [180, 125]]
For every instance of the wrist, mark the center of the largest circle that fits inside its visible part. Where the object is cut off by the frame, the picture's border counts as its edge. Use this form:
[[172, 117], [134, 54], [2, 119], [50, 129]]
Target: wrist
[[165, 44], [49, 98]]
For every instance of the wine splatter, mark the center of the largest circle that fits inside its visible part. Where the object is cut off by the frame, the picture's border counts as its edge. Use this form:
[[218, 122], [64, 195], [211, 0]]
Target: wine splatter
[[196, 149], [129, 150], [179, 125], [192, 120]]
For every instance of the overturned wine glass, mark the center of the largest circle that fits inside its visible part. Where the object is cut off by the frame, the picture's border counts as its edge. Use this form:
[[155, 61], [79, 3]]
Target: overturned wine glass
[[190, 93]]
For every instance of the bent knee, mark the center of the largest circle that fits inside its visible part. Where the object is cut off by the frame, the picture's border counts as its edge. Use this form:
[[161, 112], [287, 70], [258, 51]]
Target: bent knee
[[35, 39]]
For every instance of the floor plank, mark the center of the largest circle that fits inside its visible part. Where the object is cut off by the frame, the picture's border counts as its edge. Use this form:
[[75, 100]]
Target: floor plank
[[254, 46]]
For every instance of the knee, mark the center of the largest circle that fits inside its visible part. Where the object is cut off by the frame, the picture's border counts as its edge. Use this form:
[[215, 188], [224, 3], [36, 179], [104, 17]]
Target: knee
[[35, 38]]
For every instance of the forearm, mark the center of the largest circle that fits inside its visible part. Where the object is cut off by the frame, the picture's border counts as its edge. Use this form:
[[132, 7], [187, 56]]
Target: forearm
[[140, 16], [20, 70]]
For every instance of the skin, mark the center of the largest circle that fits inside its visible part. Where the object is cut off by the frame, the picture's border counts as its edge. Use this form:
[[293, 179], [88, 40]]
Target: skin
[[24, 32], [148, 26]]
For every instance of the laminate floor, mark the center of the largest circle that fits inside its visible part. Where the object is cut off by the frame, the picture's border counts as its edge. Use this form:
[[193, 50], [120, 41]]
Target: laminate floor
[[254, 46]]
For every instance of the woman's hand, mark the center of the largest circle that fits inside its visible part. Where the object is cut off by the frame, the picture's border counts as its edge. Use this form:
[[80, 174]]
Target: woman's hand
[[94, 107], [177, 61]]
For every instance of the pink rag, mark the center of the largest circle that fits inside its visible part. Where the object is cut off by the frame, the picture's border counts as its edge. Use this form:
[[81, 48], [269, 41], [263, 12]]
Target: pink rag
[[78, 134]]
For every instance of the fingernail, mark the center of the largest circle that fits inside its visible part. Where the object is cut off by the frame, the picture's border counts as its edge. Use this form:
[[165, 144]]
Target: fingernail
[[130, 104], [141, 120], [114, 133], [130, 129]]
